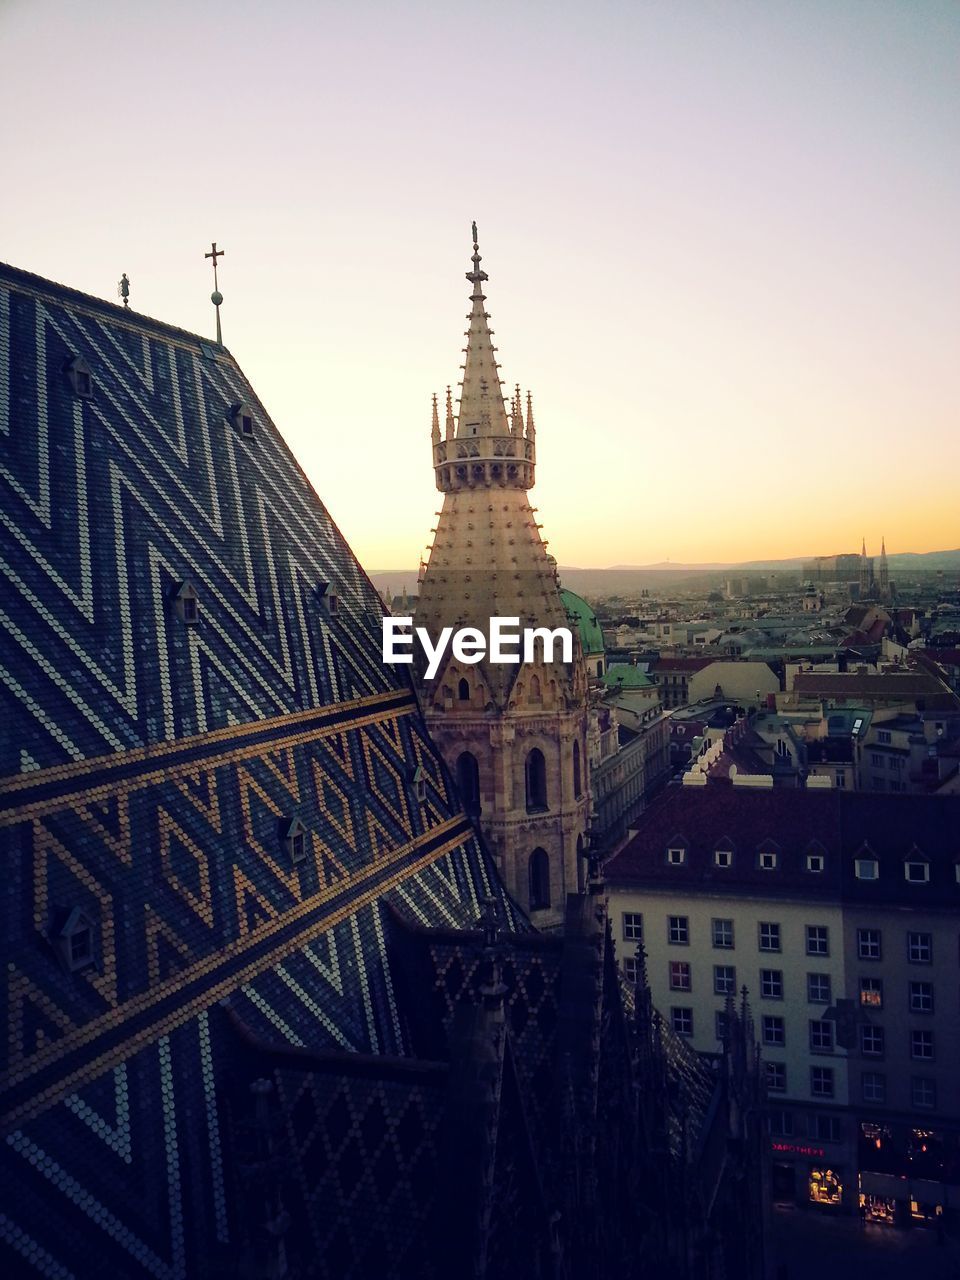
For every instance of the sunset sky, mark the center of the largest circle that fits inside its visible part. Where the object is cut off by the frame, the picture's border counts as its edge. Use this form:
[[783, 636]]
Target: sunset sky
[[722, 241]]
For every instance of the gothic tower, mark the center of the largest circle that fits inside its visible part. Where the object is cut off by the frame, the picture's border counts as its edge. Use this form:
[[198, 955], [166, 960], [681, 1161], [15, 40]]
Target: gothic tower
[[866, 572], [884, 571], [514, 735]]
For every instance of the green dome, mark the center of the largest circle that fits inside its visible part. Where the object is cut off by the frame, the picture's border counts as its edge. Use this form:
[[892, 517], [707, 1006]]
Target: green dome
[[585, 616]]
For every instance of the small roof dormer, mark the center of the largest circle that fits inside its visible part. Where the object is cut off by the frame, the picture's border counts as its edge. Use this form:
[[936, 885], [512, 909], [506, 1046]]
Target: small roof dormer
[[74, 941], [186, 602]]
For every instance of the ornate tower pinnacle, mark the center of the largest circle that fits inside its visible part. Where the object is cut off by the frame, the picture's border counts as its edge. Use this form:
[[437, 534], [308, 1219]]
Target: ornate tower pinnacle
[[435, 423], [884, 569], [481, 449]]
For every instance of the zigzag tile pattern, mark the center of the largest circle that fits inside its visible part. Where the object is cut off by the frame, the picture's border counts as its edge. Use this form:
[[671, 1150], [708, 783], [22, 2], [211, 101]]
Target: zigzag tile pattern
[[149, 767]]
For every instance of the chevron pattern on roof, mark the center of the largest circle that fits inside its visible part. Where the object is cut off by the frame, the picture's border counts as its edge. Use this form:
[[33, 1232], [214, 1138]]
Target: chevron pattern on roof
[[205, 777]]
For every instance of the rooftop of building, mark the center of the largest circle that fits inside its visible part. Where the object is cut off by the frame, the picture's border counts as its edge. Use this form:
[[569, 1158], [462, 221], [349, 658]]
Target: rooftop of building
[[793, 823], [625, 676]]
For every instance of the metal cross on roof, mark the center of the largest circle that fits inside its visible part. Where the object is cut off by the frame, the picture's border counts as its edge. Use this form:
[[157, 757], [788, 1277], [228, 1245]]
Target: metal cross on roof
[[216, 297]]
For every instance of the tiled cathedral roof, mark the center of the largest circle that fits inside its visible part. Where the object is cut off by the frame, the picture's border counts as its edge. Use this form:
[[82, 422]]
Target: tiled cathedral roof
[[207, 778]]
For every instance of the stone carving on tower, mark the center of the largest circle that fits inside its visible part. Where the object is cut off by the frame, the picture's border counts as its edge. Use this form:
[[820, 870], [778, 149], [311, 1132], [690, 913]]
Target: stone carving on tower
[[515, 735]]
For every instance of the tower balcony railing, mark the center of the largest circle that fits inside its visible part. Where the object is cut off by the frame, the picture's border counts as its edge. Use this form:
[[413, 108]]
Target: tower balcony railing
[[484, 449]]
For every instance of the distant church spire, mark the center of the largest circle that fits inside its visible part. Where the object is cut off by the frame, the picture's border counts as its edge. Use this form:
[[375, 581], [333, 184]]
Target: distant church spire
[[884, 569], [866, 571]]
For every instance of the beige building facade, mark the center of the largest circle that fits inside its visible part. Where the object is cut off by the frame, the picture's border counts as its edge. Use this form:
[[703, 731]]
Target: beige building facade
[[840, 915]]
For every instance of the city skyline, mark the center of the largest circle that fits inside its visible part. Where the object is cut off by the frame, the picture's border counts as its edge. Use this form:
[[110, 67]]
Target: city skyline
[[721, 252]]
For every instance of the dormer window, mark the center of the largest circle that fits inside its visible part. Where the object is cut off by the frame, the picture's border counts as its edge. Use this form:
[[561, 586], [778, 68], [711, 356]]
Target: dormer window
[[916, 868], [676, 857], [767, 856], [815, 861], [293, 837], [866, 868], [329, 597], [723, 857], [418, 780], [242, 418], [81, 379], [74, 941], [186, 603]]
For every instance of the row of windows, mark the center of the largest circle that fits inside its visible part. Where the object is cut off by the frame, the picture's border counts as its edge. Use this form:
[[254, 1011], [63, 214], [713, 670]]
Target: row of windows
[[919, 995], [782, 1123], [916, 867], [919, 945], [873, 1088], [722, 934]]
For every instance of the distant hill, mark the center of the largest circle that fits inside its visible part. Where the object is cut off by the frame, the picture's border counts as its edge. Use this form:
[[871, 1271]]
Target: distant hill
[[626, 580]]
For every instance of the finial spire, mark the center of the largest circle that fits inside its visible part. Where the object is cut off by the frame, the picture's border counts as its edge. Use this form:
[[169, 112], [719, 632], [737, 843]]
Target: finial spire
[[216, 297], [123, 289], [451, 426], [516, 412], [482, 409], [435, 422], [531, 426]]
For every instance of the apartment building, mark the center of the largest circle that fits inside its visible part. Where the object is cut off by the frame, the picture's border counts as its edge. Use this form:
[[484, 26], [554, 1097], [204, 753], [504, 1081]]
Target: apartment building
[[840, 915]]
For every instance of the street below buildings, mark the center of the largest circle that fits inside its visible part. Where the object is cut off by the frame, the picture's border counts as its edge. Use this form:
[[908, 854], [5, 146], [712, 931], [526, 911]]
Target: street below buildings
[[807, 1244]]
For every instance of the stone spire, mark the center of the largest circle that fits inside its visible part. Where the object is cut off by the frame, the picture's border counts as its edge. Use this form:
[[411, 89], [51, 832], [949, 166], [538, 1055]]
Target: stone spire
[[865, 571], [481, 400], [435, 424], [483, 448], [884, 568], [451, 424]]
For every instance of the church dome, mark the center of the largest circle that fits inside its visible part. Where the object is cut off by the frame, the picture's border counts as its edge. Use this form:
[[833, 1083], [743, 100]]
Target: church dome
[[585, 616]]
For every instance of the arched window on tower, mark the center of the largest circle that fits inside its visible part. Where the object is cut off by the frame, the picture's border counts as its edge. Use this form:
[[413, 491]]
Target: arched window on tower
[[600, 670], [539, 870], [536, 694], [536, 776], [468, 783], [463, 691], [577, 781]]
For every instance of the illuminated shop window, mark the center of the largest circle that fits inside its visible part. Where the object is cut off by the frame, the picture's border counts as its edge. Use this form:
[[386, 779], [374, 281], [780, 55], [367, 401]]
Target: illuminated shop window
[[825, 1186]]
